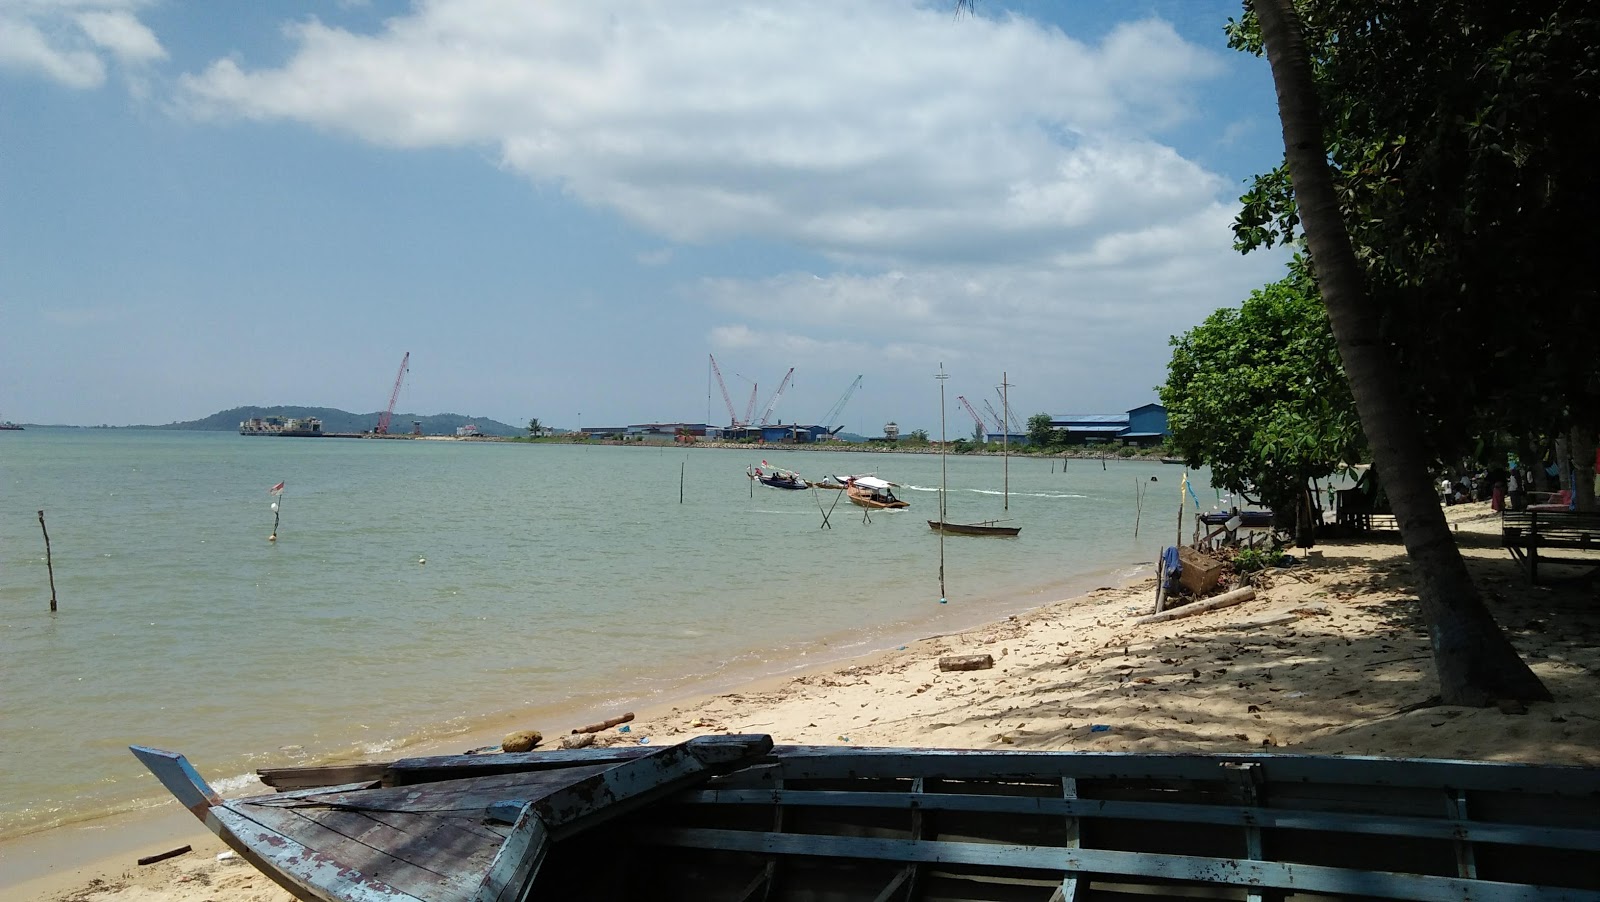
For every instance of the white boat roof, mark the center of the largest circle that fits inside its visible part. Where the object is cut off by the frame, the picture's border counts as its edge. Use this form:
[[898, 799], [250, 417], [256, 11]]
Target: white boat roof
[[872, 482]]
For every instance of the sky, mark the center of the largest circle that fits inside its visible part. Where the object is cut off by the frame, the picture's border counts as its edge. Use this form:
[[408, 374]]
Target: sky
[[561, 209]]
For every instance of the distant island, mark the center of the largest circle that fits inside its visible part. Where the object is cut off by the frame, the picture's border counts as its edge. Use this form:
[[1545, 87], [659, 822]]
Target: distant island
[[335, 420]]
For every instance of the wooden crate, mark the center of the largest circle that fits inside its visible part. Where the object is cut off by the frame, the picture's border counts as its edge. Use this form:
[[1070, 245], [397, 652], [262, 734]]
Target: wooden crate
[[1200, 573]]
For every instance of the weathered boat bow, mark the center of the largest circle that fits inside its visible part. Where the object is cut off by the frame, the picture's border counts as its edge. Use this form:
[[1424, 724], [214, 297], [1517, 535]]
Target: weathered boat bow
[[477, 838]]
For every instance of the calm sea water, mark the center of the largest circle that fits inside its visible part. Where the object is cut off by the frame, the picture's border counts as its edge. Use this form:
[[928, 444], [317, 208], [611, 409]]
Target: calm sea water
[[557, 578]]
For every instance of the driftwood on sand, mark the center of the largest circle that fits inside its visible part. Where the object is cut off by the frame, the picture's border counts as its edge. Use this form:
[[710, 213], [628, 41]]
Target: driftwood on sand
[[1225, 600], [966, 662], [605, 724]]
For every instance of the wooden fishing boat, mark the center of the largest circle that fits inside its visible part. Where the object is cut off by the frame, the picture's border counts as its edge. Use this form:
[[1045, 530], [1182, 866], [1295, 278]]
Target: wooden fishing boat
[[872, 492], [777, 477], [1172, 460], [735, 818], [986, 528], [837, 483], [1250, 518]]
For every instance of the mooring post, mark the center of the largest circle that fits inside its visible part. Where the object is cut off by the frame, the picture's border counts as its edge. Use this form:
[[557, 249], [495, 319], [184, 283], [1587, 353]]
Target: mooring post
[[681, 465], [48, 563]]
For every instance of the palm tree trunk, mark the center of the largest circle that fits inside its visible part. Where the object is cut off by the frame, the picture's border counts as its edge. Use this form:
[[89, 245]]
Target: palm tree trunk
[[1475, 662], [1582, 447]]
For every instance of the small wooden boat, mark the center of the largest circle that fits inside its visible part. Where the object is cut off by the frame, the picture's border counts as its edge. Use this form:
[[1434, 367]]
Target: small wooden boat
[[735, 818], [872, 492], [837, 483], [1172, 460], [986, 528], [776, 477], [1258, 519]]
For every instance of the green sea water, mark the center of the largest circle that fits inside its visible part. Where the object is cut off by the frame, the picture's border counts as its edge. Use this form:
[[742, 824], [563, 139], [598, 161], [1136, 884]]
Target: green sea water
[[557, 578]]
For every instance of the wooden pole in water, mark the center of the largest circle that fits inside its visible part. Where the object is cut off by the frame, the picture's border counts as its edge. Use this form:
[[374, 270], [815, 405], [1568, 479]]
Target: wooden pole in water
[[1138, 504], [681, 465], [49, 564], [277, 494], [1005, 444], [943, 482], [1181, 483]]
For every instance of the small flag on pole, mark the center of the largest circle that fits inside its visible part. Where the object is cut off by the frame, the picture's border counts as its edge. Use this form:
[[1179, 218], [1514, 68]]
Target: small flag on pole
[[276, 490], [1187, 487]]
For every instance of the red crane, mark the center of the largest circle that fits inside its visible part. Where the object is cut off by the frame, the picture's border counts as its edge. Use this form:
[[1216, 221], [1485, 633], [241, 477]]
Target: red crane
[[388, 413], [733, 416], [766, 415], [983, 430]]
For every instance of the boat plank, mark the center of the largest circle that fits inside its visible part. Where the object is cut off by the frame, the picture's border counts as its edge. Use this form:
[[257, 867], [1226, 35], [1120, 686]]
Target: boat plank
[[1444, 828], [304, 872], [285, 779], [825, 762], [411, 865], [1144, 865], [467, 794], [423, 770]]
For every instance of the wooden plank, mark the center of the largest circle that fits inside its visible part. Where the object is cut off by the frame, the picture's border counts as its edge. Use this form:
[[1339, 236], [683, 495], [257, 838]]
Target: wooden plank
[[1221, 815], [290, 778], [1143, 865], [1455, 802], [1247, 778], [824, 762], [1071, 885], [375, 865], [435, 844], [624, 787], [518, 862], [472, 794], [303, 872], [424, 770]]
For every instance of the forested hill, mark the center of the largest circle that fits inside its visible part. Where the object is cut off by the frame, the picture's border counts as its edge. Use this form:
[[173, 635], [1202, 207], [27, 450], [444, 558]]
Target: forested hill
[[334, 420]]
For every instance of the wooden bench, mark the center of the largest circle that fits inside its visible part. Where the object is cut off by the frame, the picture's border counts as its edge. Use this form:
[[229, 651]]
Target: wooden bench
[[1526, 533]]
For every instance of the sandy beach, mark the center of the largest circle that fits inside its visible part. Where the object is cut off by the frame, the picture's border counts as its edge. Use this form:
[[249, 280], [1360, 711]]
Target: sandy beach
[[1330, 658]]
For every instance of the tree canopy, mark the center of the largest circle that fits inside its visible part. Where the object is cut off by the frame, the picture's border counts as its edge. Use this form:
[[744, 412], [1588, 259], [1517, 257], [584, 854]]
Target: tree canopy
[[1259, 394], [1464, 182], [1040, 435]]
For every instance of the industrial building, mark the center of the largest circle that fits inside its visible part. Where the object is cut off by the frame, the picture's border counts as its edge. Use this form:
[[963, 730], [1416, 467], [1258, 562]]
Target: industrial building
[[1141, 426]]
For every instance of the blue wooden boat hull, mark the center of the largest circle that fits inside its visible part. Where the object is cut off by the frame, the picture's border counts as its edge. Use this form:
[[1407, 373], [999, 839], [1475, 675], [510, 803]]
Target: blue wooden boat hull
[[736, 818]]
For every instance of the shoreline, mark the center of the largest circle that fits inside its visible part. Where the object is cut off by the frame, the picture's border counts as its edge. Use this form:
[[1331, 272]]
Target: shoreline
[[38, 860], [1330, 658]]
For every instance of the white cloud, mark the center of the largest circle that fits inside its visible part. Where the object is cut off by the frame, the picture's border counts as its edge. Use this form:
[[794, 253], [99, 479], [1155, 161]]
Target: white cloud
[[123, 35], [995, 190], [70, 41], [882, 131]]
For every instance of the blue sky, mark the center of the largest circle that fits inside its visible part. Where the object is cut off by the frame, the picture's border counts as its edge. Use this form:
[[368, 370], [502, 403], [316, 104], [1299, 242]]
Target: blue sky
[[561, 209]]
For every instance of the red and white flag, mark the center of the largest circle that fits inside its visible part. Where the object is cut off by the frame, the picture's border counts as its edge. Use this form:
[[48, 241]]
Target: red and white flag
[[276, 490]]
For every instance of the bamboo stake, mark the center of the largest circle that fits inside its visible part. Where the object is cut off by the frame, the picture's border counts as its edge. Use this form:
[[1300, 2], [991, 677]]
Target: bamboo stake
[[943, 518], [1005, 444], [48, 563], [681, 465], [1138, 504]]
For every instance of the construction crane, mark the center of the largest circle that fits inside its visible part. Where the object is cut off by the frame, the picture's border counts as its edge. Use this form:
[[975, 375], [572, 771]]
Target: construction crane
[[1015, 426], [1000, 425], [733, 416], [837, 409], [750, 405], [388, 412], [766, 415], [983, 429]]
